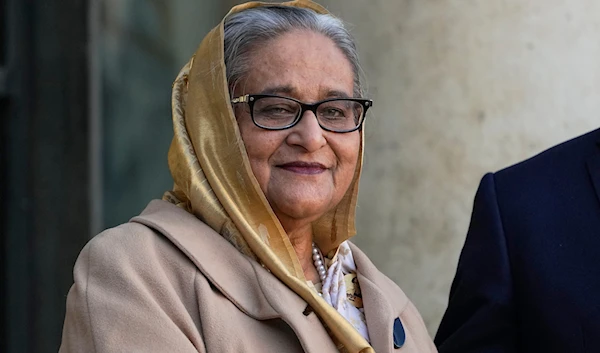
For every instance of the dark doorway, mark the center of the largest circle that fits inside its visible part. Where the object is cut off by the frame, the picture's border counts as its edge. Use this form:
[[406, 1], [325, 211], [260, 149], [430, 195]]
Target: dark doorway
[[44, 215]]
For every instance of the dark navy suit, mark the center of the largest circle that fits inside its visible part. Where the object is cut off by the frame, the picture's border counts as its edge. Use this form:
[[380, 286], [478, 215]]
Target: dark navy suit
[[528, 278]]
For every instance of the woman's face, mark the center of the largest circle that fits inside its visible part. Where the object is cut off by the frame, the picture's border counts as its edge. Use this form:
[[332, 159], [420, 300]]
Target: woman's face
[[304, 171]]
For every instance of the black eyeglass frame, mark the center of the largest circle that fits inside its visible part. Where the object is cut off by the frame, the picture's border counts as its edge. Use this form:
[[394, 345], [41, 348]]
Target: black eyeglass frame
[[252, 98]]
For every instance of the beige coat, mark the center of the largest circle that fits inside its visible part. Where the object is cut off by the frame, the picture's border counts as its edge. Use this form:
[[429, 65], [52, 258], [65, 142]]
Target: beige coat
[[166, 282]]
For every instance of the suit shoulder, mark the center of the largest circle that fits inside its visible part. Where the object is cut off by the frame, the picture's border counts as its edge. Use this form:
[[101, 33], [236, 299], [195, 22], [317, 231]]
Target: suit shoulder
[[568, 153], [549, 183]]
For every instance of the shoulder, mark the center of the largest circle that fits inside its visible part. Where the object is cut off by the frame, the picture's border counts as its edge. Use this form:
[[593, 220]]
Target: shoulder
[[128, 242], [562, 169], [132, 252], [133, 288], [554, 164], [146, 237], [134, 265], [120, 240], [542, 195]]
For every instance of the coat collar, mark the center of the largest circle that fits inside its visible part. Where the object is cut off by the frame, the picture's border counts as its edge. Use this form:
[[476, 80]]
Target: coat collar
[[248, 286], [232, 273], [383, 301], [253, 289]]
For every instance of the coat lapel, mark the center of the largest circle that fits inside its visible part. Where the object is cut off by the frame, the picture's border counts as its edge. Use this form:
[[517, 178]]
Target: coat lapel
[[261, 295], [236, 277], [251, 288], [593, 165], [383, 301]]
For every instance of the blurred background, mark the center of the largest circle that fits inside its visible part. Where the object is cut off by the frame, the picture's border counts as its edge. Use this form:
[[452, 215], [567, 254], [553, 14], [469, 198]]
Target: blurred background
[[460, 88]]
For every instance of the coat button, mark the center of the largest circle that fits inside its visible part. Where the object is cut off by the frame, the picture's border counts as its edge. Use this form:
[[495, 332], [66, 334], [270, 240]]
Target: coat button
[[399, 334]]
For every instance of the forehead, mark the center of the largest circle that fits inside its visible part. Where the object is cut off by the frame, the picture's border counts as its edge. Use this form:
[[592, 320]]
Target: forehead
[[309, 64]]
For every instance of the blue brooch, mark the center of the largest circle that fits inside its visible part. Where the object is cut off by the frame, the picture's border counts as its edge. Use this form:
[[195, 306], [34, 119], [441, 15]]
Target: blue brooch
[[399, 334]]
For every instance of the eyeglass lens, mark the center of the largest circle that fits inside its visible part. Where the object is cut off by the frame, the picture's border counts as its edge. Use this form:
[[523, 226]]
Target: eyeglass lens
[[336, 115]]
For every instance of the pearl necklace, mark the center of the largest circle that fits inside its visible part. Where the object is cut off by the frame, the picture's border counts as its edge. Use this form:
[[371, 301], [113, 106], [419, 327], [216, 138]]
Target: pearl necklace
[[319, 264]]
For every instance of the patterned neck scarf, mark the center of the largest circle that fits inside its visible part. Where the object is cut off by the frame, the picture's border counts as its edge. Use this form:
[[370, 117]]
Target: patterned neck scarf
[[341, 289]]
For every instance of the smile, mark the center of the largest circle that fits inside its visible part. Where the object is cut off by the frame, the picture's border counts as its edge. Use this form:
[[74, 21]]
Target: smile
[[304, 168]]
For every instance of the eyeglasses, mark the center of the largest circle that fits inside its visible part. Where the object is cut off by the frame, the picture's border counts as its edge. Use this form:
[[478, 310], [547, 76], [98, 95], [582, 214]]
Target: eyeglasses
[[272, 112]]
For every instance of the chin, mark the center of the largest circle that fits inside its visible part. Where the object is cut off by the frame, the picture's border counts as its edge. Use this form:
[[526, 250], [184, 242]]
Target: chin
[[302, 211], [301, 203]]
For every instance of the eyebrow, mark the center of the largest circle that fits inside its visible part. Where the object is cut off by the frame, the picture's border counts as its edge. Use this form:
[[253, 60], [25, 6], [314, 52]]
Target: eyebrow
[[337, 94], [285, 89], [289, 90]]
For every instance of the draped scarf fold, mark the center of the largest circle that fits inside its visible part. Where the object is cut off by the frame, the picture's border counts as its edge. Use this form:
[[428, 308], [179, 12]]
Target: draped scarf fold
[[213, 180]]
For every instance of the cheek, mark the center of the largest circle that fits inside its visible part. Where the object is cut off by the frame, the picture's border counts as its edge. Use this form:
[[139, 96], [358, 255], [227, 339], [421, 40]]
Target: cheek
[[259, 161], [348, 151], [259, 148]]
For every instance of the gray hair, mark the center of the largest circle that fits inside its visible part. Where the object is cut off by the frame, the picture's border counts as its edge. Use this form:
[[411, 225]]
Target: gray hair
[[250, 28]]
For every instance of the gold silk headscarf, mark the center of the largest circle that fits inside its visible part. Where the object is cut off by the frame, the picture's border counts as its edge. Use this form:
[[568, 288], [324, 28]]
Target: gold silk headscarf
[[214, 180]]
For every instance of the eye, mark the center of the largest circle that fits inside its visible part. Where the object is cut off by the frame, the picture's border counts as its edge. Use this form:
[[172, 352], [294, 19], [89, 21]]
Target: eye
[[334, 110], [334, 113], [277, 109]]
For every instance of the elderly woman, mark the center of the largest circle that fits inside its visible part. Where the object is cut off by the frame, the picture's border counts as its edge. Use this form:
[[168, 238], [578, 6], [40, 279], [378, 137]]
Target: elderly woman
[[250, 251]]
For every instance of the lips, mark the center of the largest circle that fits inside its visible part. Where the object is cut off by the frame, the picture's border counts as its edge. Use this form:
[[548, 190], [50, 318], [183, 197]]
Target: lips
[[307, 168]]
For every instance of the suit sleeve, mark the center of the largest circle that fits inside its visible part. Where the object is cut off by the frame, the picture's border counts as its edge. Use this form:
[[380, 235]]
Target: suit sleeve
[[123, 301], [481, 312]]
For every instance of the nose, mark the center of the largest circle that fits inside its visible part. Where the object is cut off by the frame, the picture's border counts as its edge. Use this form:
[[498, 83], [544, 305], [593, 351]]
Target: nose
[[307, 134]]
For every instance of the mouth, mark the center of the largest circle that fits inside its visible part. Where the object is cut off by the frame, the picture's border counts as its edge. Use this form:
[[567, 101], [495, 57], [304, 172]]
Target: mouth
[[306, 168]]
